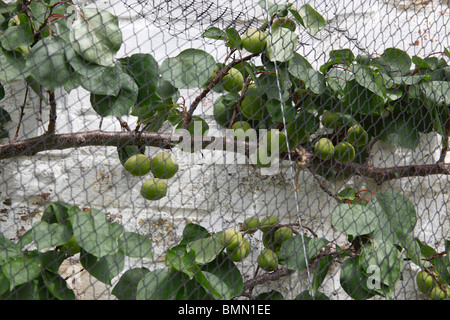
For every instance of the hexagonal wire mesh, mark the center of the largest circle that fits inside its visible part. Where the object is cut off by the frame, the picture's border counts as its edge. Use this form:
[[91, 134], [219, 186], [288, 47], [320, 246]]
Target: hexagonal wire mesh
[[87, 85]]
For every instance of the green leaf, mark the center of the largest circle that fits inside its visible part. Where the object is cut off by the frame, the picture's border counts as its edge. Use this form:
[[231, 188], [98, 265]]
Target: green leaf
[[315, 81], [215, 33], [145, 71], [105, 268], [51, 260], [135, 245], [299, 66], [306, 295], [190, 69], [354, 280], [270, 295], [361, 100], [396, 217], [400, 213], [47, 63], [17, 38], [179, 259], [347, 193], [221, 277], [310, 19], [95, 234], [292, 254], [8, 249], [418, 252], [58, 212], [367, 78], [337, 79], [277, 110], [385, 257], [341, 56], [321, 272], [57, 286], [272, 8], [206, 249], [193, 231], [21, 269], [126, 287], [96, 36], [233, 38], [95, 78], [353, 219], [49, 235], [400, 131], [437, 91], [281, 45], [120, 104], [160, 284], [396, 60]]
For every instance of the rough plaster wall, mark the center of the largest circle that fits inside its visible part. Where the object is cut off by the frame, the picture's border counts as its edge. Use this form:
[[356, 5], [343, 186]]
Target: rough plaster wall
[[218, 196]]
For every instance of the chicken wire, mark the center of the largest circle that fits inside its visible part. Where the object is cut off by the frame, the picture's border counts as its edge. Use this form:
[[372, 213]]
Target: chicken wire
[[209, 191]]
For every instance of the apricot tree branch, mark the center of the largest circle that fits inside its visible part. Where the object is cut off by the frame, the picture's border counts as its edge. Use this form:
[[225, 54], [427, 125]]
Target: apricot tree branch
[[45, 142], [188, 116]]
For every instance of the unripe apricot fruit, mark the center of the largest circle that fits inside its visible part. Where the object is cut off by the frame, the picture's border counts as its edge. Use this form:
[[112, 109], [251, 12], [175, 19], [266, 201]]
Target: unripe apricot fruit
[[164, 165], [154, 189], [324, 149], [282, 234], [232, 239], [344, 152], [254, 40], [267, 260], [137, 165], [233, 81], [250, 223], [269, 222], [357, 136]]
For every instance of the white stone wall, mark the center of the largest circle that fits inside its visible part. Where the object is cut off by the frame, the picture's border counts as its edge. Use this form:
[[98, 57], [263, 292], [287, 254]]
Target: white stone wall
[[219, 196]]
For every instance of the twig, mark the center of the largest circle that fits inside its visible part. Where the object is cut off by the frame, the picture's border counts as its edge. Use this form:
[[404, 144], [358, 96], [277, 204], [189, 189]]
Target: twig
[[188, 116], [30, 147], [52, 116], [22, 113], [275, 275]]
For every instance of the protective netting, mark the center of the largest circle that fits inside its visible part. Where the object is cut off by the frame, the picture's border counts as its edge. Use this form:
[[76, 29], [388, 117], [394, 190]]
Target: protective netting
[[198, 150]]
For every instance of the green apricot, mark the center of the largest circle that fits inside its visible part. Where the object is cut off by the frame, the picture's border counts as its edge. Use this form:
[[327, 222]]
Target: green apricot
[[268, 239], [223, 109], [437, 293], [284, 22], [232, 238], [344, 152], [268, 223], [137, 164], [254, 40], [282, 144], [241, 130], [71, 247], [233, 81], [253, 105], [357, 136], [324, 149], [164, 165], [425, 281], [263, 157], [282, 234], [240, 252], [330, 120], [267, 260], [250, 223], [154, 189]]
